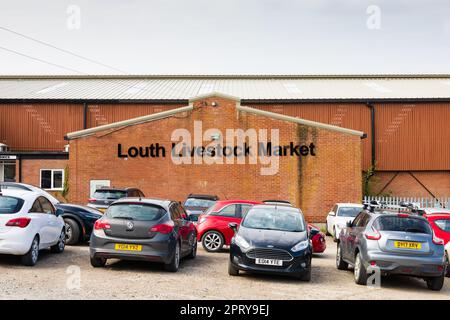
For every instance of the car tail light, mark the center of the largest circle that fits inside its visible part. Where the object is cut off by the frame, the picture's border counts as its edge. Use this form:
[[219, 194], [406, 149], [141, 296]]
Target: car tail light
[[162, 228], [437, 240], [101, 225], [373, 235], [19, 222], [373, 263], [91, 200]]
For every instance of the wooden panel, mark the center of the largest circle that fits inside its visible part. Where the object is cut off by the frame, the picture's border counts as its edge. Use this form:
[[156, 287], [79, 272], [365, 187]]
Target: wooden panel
[[100, 114], [352, 116], [413, 136], [38, 127]]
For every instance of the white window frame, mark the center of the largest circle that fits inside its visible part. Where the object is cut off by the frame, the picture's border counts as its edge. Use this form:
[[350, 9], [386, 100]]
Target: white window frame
[[52, 182]]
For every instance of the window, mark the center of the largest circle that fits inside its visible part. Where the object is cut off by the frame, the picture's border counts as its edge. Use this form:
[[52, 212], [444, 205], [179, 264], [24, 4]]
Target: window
[[9, 205], [443, 224], [175, 214], [394, 223], [228, 211], [46, 206], [135, 211], [244, 209], [348, 212], [36, 207], [52, 179]]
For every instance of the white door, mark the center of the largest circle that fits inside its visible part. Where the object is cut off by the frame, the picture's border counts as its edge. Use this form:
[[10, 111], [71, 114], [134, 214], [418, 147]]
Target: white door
[[53, 226], [41, 222]]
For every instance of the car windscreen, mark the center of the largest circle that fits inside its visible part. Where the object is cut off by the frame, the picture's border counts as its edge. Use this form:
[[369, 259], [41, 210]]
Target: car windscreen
[[9, 205], [350, 212], [202, 203], [274, 219], [135, 211], [443, 224], [402, 224], [109, 194]]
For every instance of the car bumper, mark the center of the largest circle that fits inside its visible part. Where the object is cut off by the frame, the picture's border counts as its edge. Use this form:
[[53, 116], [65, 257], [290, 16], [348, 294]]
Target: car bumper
[[425, 266], [156, 249], [16, 242], [299, 265]]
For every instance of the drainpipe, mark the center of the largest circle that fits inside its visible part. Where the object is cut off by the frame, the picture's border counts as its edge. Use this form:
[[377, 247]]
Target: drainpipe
[[19, 157], [372, 131], [85, 115]]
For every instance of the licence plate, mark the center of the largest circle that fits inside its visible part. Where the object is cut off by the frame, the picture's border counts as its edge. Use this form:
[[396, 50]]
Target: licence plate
[[269, 262], [127, 247], [408, 245]]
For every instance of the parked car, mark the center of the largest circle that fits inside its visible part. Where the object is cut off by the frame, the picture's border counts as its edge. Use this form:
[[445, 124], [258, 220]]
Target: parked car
[[79, 221], [440, 222], [103, 197], [271, 239], [29, 187], [143, 229], [339, 216], [196, 204], [396, 242], [29, 223], [317, 238], [212, 227]]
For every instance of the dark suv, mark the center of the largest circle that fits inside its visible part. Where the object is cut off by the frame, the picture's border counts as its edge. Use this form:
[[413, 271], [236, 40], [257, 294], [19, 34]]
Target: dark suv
[[103, 197], [393, 241]]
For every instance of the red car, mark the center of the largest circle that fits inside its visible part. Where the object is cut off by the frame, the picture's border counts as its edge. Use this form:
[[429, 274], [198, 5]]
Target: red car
[[212, 227], [213, 230], [440, 222]]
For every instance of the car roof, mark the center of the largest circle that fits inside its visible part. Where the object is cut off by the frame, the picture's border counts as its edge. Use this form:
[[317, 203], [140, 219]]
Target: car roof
[[275, 207], [438, 215], [203, 196], [156, 201], [349, 204], [224, 202], [435, 210], [19, 193]]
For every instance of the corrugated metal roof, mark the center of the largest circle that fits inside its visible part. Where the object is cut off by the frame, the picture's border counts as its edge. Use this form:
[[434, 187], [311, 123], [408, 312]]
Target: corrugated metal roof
[[246, 87]]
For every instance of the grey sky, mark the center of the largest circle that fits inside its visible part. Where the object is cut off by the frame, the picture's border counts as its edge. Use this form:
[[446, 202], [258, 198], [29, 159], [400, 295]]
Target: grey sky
[[229, 36]]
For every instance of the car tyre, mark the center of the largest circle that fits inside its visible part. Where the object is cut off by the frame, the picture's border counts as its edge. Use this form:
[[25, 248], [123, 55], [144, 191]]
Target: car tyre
[[98, 262], [30, 258], [59, 247], [193, 252], [213, 241], [174, 264], [360, 271], [340, 263], [305, 276], [232, 270], [72, 231], [435, 283]]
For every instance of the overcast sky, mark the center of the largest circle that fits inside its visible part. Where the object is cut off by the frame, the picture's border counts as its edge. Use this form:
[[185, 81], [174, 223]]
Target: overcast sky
[[227, 36]]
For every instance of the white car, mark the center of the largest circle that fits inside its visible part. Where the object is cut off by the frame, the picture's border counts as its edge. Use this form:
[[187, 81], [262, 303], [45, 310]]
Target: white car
[[28, 187], [340, 214], [28, 223]]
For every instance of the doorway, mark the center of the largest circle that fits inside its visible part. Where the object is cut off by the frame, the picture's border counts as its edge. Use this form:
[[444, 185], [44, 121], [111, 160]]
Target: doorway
[[7, 171]]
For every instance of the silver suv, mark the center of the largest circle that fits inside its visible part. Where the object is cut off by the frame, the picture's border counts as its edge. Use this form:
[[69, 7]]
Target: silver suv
[[393, 241]]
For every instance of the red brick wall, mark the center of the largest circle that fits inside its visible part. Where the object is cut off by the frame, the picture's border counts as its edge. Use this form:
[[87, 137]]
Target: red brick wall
[[313, 183]]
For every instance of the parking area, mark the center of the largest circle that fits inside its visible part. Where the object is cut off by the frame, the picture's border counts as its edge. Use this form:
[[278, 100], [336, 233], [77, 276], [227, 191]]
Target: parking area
[[70, 276]]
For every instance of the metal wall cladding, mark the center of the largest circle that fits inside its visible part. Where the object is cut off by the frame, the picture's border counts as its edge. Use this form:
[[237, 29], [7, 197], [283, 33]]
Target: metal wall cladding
[[100, 114], [353, 116], [413, 136], [38, 126]]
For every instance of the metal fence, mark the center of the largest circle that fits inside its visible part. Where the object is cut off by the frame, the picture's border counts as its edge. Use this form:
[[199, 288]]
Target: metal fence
[[443, 202]]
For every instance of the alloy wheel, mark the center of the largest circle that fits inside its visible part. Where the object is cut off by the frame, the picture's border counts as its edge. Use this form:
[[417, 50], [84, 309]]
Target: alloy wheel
[[68, 231], [357, 266], [177, 256], [62, 240], [212, 241], [338, 255], [35, 251]]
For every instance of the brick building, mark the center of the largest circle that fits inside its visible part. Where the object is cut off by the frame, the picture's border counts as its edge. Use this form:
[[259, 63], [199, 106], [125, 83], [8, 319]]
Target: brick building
[[405, 119], [328, 170]]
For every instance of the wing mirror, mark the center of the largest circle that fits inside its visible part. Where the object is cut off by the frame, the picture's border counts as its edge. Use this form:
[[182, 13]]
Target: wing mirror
[[349, 224], [59, 212], [331, 213], [233, 226]]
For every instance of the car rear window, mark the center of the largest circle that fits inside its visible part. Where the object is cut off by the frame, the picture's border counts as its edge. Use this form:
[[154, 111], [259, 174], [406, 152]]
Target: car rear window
[[109, 194], [9, 205], [349, 211], [395, 223], [135, 211], [202, 203], [443, 224]]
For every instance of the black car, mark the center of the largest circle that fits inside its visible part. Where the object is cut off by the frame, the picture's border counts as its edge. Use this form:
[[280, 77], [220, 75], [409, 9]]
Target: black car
[[196, 204], [144, 229], [271, 239], [103, 197], [79, 221]]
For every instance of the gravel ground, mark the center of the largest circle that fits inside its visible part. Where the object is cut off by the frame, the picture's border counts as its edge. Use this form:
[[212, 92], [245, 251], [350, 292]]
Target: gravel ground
[[56, 277]]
